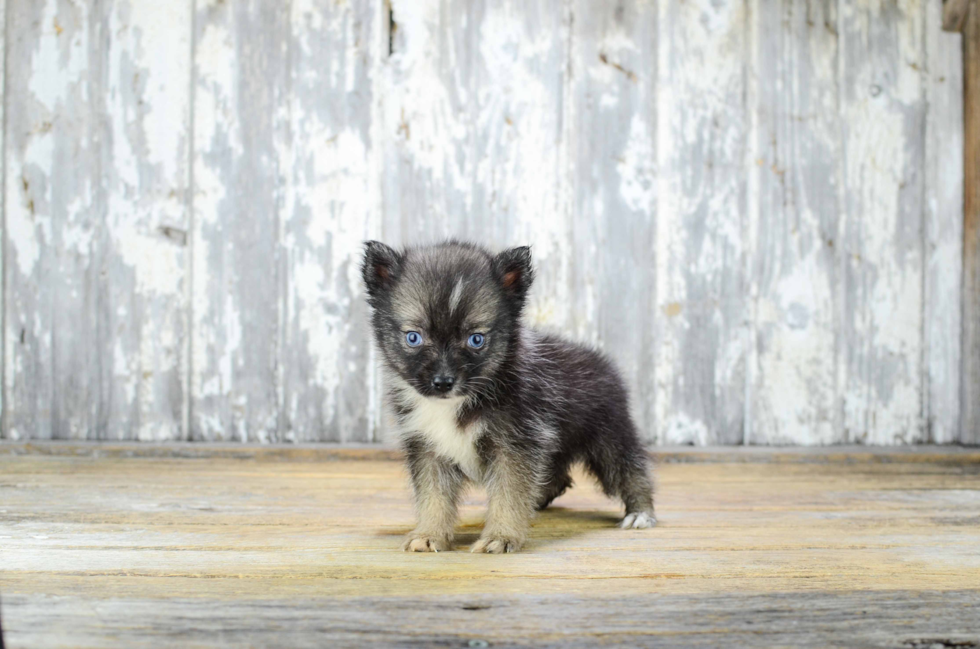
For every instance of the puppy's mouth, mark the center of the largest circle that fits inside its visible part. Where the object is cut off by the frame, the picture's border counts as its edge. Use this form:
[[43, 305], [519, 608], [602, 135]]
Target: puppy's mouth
[[430, 392]]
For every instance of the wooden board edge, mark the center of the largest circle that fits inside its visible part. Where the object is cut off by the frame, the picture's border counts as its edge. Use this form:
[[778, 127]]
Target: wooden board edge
[[954, 14], [953, 454], [970, 389]]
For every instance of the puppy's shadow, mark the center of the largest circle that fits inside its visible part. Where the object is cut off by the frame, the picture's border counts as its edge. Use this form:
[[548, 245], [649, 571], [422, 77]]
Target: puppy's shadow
[[550, 525], [561, 523]]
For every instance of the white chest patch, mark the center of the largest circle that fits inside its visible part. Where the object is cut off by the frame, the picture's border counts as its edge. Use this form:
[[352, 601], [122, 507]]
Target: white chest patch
[[436, 420]]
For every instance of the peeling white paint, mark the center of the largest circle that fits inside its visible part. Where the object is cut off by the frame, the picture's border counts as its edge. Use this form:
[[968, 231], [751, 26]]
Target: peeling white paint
[[944, 228], [700, 217], [882, 108], [637, 183], [62, 46]]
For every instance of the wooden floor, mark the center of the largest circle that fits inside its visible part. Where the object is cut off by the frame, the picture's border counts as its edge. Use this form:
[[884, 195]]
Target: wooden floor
[[132, 546]]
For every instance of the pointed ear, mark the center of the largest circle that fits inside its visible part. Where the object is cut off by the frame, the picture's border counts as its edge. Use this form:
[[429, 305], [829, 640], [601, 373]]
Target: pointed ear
[[380, 267], [514, 271]]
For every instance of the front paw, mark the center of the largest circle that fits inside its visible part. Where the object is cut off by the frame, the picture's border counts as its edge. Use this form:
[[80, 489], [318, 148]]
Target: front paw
[[496, 544], [420, 542]]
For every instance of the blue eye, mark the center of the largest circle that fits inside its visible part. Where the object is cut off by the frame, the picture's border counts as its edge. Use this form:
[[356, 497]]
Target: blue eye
[[476, 341], [413, 338]]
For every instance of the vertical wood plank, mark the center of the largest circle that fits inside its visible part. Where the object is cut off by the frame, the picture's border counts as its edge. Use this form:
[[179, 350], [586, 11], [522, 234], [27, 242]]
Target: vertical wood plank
[[516, 87], [882, 56], [613, 155], [701, 220], [474, 105], [97, 135], [3, 218], [333, 204], [793, 174], [54, 211], [970, 424], [240, 128], [145, 177], [943, 264], [428, 169]]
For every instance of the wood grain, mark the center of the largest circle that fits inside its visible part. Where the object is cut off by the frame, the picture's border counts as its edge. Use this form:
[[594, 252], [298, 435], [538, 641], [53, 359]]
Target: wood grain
[[53, 208], [883, 109], [961, 456], [96, 177], [779, 619], [612, 152], [943, 285], [332, 204], [240, 128], [700, 314], [871, 549], [143, 324], [794, 175], [474, 141]]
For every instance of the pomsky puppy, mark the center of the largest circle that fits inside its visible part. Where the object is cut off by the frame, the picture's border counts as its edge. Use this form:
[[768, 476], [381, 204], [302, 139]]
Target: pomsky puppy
[[479, 397]]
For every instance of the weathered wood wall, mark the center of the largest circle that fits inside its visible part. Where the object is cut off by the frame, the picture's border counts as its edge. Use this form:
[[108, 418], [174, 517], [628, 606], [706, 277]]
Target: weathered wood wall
[[755, 206], [971, 225]]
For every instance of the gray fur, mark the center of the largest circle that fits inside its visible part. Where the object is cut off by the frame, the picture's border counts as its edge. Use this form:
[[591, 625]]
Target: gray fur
[[523, 408]]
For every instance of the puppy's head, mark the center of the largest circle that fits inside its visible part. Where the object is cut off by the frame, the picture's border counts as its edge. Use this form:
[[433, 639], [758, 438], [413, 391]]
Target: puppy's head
[[445, 317]]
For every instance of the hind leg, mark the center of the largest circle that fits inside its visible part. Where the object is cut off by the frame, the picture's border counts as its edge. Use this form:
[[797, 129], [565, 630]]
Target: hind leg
[[559, 484], [623, 471], [637, 495]]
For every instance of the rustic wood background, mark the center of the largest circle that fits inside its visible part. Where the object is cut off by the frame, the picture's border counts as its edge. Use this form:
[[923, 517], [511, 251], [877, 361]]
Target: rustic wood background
[[755, 206]]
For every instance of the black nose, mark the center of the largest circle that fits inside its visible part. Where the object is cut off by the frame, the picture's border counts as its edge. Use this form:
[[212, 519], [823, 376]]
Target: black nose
[[442, 383]]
